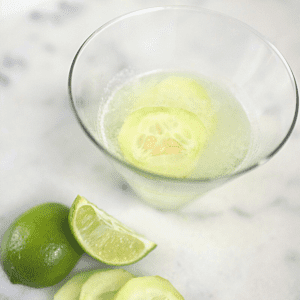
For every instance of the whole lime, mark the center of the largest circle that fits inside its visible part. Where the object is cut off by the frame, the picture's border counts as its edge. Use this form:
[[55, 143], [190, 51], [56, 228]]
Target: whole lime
[[38, 249]]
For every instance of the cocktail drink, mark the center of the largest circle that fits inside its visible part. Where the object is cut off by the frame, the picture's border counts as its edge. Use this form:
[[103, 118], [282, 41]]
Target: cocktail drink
[[176, 125], [182, 99]]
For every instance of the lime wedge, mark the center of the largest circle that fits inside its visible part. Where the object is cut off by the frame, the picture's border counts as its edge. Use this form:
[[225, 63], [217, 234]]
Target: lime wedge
[[105, 238], [163, 140], [148, 288], [104, 285]]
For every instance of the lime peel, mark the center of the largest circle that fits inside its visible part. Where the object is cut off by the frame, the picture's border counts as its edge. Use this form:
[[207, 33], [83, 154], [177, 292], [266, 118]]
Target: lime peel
[[38, 249]]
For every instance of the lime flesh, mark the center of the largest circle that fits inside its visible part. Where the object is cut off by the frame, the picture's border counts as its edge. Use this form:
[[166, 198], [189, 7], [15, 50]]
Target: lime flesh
[[105, 238], [38, 249]]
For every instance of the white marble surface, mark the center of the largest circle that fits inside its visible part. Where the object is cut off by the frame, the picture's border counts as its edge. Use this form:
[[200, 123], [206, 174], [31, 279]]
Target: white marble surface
[[239, 242]]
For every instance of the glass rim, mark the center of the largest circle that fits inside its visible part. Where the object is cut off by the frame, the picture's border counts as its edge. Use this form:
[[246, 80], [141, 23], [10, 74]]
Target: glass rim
[[154, 176]]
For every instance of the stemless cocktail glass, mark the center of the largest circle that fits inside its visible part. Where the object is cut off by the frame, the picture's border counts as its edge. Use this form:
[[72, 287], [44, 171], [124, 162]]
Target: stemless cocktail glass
[[192, 40]]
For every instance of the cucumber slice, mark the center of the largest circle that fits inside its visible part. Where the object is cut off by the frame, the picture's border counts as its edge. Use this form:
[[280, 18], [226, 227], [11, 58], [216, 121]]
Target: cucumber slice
[[178, 91], [104, 285], [148, 288], [163, 140], [71, 289]]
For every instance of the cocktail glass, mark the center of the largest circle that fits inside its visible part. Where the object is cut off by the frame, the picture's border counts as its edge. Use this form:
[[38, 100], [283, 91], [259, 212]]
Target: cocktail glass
[[195, 40]]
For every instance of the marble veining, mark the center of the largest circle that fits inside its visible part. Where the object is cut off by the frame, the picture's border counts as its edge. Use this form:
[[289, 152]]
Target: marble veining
[[239, 242], [4, 80], [63, 11]]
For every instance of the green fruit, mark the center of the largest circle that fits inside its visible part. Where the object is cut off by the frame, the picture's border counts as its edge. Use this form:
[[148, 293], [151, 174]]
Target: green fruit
[[72, 288], [163, 140], [148, 288], [38, 249], [181, 92], [105, 238], [104, 284]]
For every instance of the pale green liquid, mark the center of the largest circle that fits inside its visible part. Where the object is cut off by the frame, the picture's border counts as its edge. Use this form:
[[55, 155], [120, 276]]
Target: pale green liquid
[[227, 146]]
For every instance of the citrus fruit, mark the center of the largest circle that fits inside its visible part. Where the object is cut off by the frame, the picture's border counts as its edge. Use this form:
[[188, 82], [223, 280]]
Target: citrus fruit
[[38, 249], [163, 140], [105, 238], [72, 288], [148, 288], [104, 284]]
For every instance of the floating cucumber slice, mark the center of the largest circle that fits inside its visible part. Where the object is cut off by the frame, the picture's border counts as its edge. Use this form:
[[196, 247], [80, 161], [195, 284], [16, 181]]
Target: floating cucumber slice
[[148, 288], [71, 289], [178, 91], [163, 140], [104, 285]]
